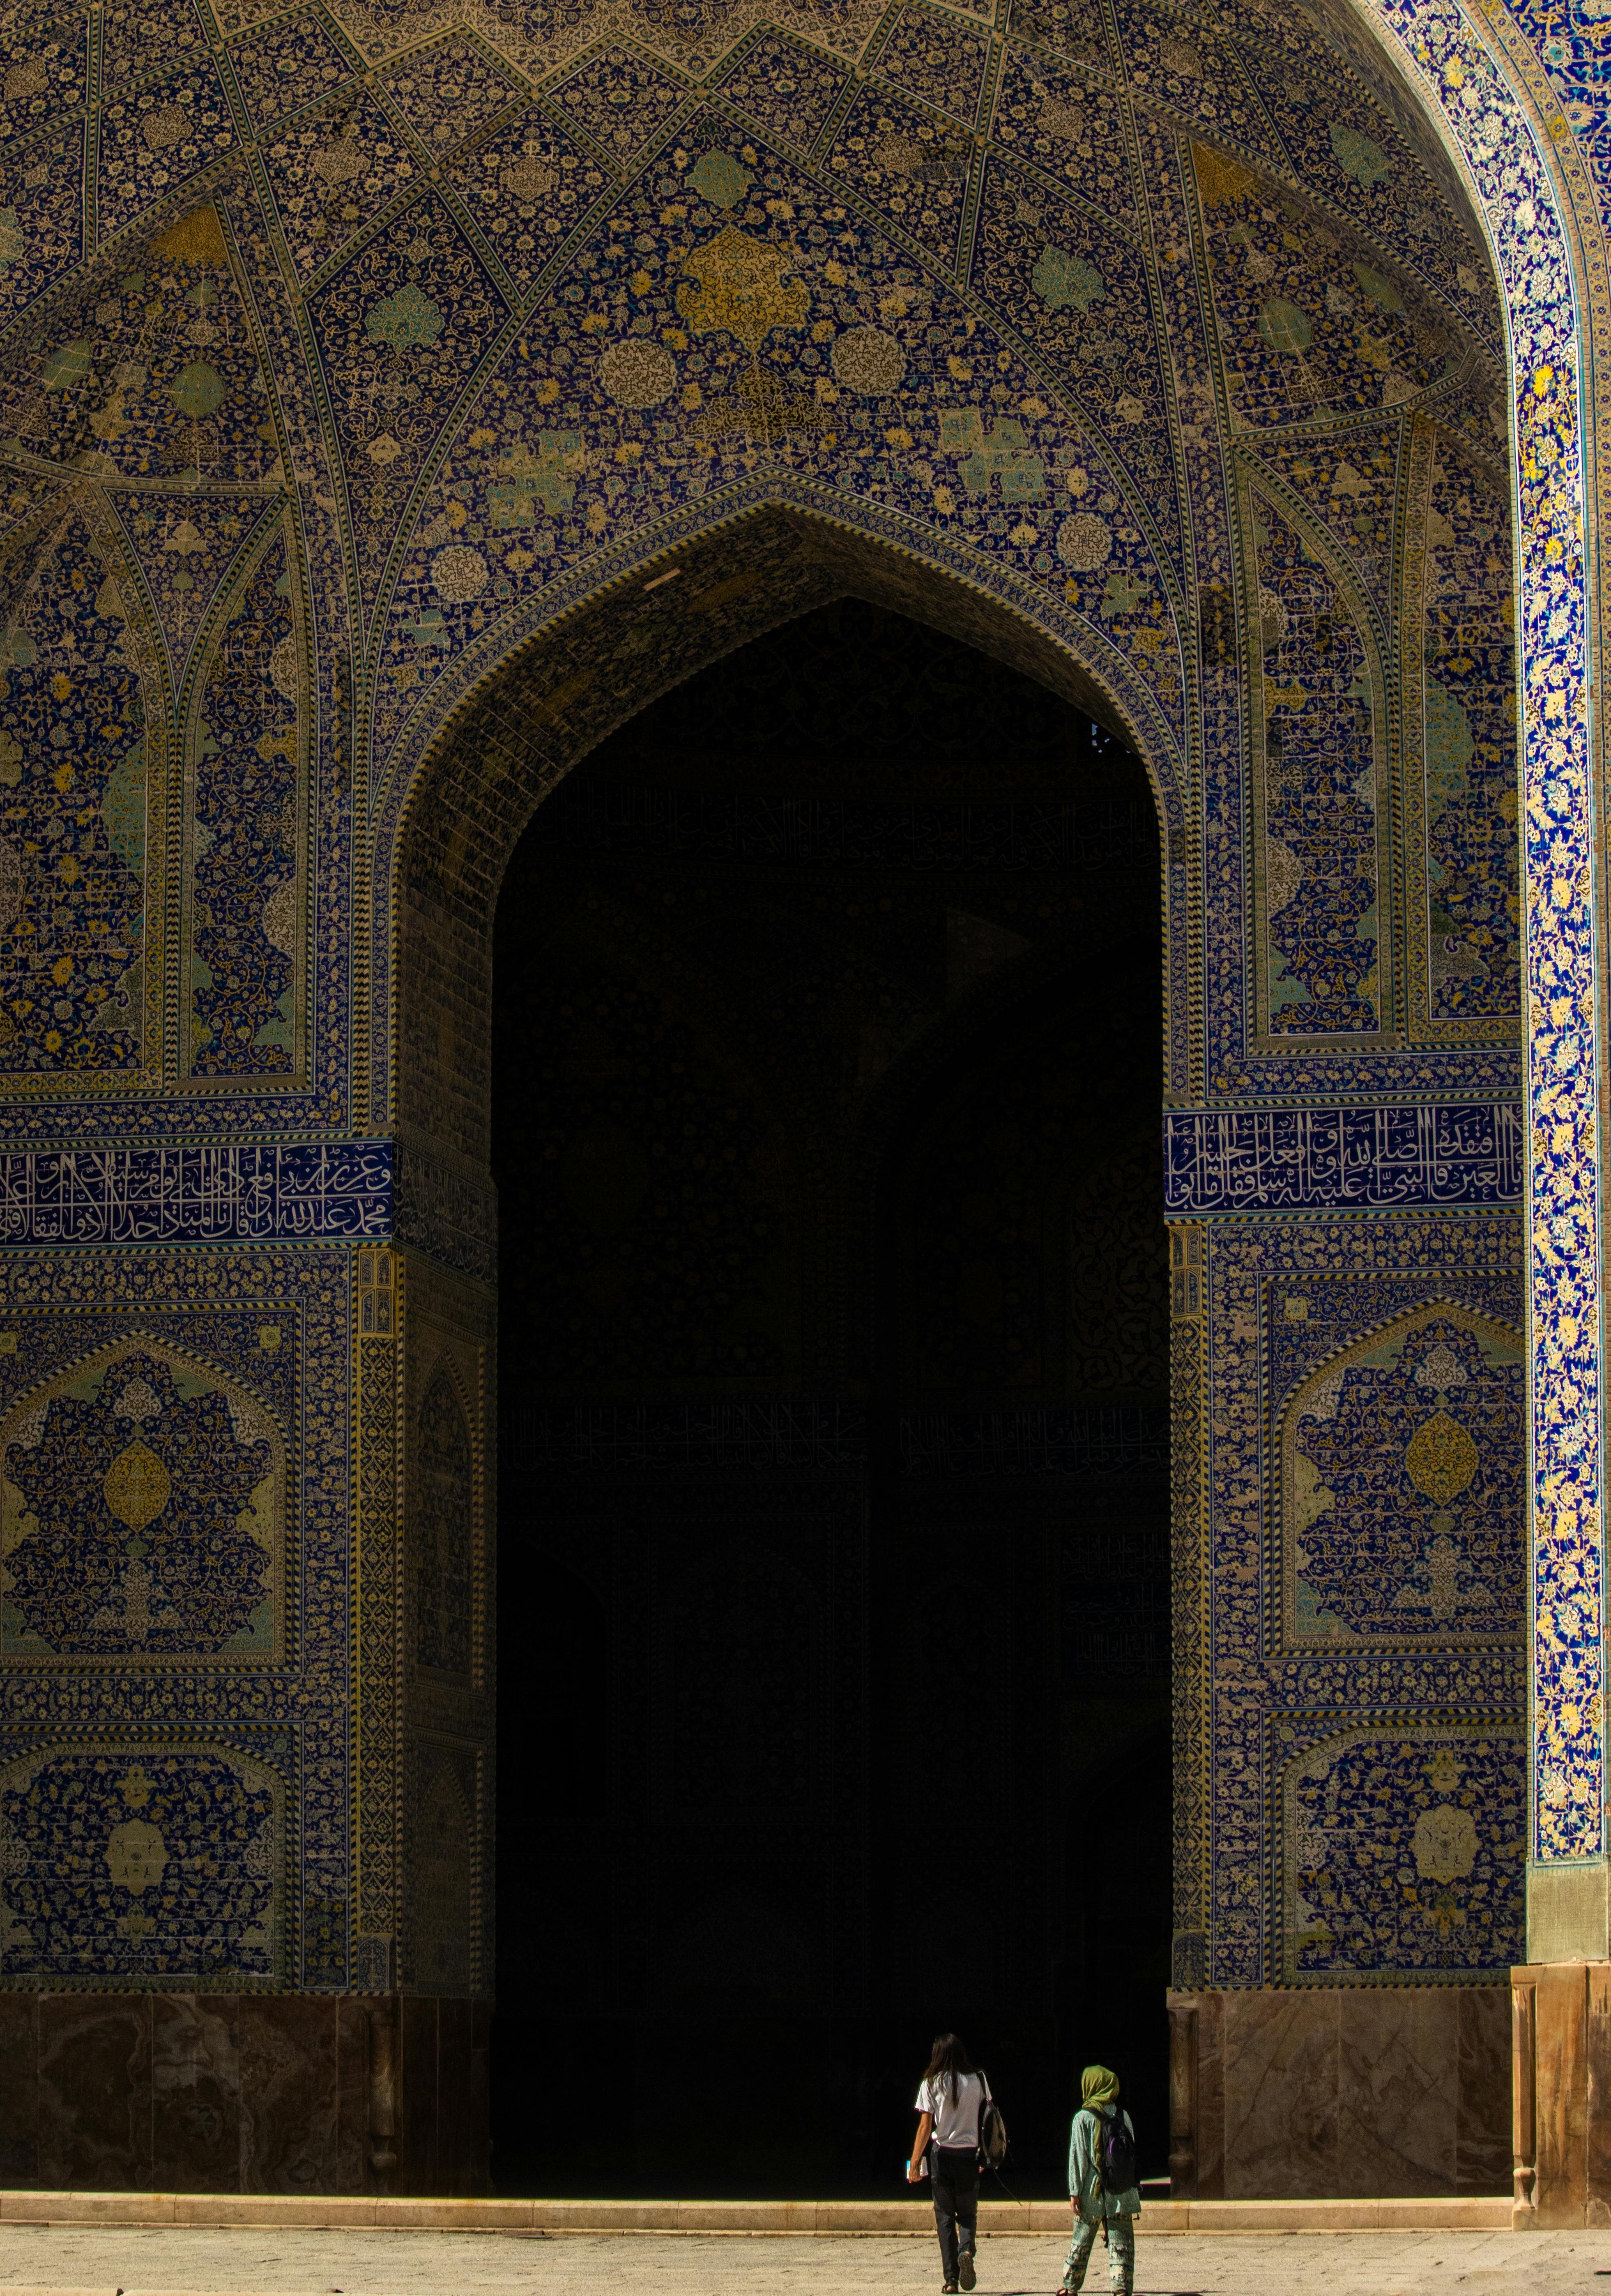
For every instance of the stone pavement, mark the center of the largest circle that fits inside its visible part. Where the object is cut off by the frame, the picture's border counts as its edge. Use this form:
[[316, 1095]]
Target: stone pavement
[[290, 2263]]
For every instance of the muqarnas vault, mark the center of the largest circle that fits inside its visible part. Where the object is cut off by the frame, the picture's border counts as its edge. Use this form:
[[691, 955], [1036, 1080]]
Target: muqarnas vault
[[370, 372]]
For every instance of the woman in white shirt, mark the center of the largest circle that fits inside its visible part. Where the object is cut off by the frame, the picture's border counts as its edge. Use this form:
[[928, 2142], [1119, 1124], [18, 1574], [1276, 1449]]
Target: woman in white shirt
[[950, 2101]]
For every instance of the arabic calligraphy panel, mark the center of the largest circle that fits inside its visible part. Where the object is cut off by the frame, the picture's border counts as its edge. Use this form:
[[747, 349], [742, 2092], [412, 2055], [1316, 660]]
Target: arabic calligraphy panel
[[1396, 1156], [307, 1192]]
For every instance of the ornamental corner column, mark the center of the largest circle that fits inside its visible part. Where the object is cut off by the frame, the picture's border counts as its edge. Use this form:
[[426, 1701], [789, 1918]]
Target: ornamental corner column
[[1561, 2041]]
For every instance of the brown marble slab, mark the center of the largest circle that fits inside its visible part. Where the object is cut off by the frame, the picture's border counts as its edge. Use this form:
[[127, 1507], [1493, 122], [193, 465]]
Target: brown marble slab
[[288, 2094], [1398, 2091], [352, 2167], [94, 2090], [195, 2095], [20, 2088], [1392, 2093], [1280, 2079], [1481, 2135], [452, 2095], [236, 2093], [1211, 2097], [419, 2172]]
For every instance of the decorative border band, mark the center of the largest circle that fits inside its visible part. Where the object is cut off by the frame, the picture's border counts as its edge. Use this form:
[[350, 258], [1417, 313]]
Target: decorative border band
[[1393, 1157], [195, 1192]]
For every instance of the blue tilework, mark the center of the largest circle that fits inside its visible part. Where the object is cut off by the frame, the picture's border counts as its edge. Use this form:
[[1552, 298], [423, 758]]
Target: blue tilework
[[1501, 151], [147, 1516], [135, 1865], [1399, 1466], [245, 884], [1396, 1156], [1289, 1307], [344, 373], [73, 753], [1324, 884], [248, 1720], [197, 1192], [1404, 1852]]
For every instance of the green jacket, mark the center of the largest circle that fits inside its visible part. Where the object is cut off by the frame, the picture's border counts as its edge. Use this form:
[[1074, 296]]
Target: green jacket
[[1084, 2185]]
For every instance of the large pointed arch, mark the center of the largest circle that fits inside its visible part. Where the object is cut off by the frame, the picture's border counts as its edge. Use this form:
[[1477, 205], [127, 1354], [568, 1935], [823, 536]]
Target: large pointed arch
[[442, 839]]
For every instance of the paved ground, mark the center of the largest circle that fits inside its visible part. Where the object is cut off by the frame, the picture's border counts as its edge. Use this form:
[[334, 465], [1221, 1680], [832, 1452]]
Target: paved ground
[[455, 2264]]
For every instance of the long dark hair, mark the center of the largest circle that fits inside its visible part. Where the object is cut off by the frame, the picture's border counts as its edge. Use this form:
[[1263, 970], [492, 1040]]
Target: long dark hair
[[946, 2060]]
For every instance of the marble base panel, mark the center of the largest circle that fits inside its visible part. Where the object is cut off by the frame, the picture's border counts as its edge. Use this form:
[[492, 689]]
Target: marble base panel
[[242, 2093], [1339, 2094]]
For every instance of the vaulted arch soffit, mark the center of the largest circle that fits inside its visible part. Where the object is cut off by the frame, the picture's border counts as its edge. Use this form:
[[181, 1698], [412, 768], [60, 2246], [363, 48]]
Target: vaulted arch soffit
[[412, 265]]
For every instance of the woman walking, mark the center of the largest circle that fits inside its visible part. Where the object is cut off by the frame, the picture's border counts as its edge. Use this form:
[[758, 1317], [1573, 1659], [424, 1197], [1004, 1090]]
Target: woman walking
[[950, 2101], [1102, 2184]]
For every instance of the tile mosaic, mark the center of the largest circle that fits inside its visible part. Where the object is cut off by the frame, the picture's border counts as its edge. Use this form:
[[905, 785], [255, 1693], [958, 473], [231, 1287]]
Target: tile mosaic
[[358, 374]]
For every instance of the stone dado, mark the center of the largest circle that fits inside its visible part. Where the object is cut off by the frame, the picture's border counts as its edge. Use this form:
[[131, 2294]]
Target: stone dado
[[1280, 2095]]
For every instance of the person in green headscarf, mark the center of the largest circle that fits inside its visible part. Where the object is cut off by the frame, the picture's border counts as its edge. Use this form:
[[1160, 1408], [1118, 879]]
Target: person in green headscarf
[[1102, 2185]]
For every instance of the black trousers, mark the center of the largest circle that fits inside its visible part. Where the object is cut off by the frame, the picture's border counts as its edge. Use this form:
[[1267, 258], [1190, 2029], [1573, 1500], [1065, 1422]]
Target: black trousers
[[954, 2173]]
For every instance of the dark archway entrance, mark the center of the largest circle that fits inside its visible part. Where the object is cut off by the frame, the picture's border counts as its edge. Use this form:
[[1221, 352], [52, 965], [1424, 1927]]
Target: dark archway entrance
[[832, 1366]]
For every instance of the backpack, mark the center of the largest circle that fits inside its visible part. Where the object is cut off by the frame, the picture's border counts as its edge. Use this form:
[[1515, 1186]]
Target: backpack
[[992, 2131], [1116, 2155]]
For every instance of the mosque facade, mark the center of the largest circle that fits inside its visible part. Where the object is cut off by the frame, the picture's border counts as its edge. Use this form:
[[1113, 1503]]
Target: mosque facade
[[396, 398]]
